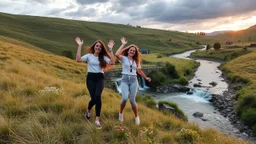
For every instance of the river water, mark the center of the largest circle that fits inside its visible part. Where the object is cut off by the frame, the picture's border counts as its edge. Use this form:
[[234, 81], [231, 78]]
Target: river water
[[206, 73]]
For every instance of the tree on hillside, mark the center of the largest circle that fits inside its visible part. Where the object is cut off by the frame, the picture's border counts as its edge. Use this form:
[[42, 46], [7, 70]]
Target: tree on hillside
[[217, 46], [208, 47]]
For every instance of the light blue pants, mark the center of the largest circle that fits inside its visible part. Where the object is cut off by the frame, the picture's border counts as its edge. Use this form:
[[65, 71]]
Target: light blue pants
[[129, 88]]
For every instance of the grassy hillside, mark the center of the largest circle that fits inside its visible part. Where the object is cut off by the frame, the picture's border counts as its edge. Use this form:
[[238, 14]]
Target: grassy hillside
[[242, 74], [56, 35], [43, 99], [240, 68], [239, 38]]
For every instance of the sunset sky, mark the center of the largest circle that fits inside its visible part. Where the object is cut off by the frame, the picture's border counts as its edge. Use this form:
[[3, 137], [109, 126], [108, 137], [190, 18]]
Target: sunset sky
[[179, 15]]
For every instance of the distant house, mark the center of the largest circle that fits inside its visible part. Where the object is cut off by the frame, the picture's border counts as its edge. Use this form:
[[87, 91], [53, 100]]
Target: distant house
[[144, 51]]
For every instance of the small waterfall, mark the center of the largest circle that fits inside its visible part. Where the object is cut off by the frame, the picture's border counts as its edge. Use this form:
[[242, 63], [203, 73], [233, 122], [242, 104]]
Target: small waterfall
[[201, 93], [197, 95], [117, 84], [144, 84]]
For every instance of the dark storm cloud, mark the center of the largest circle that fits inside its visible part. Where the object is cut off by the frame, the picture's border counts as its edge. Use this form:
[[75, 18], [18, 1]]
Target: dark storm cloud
[[183, 10], [90, 1]]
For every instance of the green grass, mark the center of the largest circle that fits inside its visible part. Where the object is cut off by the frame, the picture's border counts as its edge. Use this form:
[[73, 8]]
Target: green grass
[[184, 67], [57, 35], [221, 54], [242, 74], [42, 103], [240, 68]]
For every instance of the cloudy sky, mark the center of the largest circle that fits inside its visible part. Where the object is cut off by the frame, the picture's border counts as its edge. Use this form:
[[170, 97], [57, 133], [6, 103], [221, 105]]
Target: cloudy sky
[[180, 15]]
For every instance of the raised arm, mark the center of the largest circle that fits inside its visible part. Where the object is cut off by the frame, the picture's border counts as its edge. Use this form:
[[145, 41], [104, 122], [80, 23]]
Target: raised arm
[[79, 49], [143, 74], [118, 54], [111, 44]]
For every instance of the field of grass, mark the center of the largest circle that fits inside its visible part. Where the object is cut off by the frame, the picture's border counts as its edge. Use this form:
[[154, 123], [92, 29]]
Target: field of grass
[[43, 99], [184, 67], [242, 36], [240, 67], [242, 74], [57, 35], [225, 54]]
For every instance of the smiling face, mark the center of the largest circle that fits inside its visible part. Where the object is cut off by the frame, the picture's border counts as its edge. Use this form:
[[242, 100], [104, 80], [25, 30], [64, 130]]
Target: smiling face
[[132, 51], [97, 47]]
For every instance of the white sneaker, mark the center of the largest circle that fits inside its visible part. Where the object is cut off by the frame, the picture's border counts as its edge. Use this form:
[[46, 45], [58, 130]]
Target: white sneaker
[[121, 117], [137, 120], [87, 115], [97, 124]]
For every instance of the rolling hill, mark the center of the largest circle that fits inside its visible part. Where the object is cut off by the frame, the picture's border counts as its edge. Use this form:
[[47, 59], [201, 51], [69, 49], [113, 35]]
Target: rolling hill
[[246, 36], [43, 99], [57, 35]]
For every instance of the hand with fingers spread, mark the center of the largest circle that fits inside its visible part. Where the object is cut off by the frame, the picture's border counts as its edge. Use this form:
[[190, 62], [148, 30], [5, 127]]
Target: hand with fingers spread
[[123, 40], [79, 41], [111, 44]]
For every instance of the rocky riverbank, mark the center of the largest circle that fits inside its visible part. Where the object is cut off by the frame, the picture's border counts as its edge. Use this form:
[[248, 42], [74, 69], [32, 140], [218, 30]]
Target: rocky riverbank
[[225, 104], [171, 88]]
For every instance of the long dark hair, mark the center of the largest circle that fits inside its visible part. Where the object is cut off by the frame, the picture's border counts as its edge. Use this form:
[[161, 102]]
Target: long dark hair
[[102, 53], [136, 57]]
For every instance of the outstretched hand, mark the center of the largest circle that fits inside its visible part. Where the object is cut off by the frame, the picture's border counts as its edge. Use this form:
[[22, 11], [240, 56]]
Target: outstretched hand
[[111, 44], [79, 41], [123, 40]]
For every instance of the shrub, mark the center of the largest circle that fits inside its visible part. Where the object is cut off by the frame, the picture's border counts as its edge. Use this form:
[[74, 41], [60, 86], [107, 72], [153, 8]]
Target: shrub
[[171, 71], [121, 132], [249, 117], [147, 100], [188, 135], [208, 47], [175, 106], [238, 87], [157, 79], [247, 101], [68, 54], [187, 72], [183, 81], [217, 46]]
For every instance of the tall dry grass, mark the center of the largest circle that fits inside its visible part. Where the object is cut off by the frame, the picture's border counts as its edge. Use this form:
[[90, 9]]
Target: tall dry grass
[[43, 100]]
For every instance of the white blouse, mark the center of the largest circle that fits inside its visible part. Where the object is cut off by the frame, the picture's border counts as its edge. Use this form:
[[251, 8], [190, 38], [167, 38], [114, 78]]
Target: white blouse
[[126, 66], [94, 63]]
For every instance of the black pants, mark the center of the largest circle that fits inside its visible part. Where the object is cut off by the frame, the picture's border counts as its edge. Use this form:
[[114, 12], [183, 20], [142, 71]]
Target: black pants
[[95, 85]]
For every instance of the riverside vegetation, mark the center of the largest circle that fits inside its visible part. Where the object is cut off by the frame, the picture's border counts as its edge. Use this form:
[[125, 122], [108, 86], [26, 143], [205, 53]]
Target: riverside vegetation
[[43, 96], [43, 99], [240, 69]]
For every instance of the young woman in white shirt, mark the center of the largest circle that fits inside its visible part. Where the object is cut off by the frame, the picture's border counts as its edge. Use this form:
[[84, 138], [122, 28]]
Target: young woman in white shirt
[[130, 59], [98, 59]]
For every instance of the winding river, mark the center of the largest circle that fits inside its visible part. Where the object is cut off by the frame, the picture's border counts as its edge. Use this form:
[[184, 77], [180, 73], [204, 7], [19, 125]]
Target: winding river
[[206, 73]]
